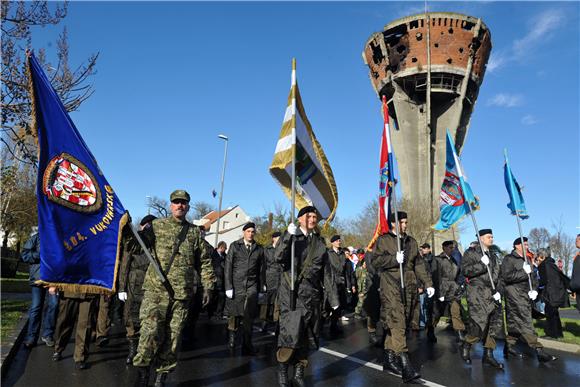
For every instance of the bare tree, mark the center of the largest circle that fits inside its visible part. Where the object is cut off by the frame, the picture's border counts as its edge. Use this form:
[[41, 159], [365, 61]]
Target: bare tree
[[200, 209], [562, 244], [538, 237], [158, 207]]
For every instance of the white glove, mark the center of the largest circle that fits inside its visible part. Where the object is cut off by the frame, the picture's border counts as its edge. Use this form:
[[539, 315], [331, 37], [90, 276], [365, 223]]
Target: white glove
[[230, 293], [441, 299], [292, 229], [264, 288], [533, 295], [497, 296], [122, 296], [400, 256], [527, 268], [430, 292], [485, 259], [335, 307]]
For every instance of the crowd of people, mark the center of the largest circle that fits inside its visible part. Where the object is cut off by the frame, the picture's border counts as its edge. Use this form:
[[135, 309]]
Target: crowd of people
[[298, 286]]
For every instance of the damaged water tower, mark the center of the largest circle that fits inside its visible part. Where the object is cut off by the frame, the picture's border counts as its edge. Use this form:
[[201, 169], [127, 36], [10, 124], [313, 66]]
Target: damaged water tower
[[430, 67]]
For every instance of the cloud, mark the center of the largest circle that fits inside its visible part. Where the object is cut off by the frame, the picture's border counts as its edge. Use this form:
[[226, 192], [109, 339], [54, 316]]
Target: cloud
[[506, 100], [529, 120], [542, 28]]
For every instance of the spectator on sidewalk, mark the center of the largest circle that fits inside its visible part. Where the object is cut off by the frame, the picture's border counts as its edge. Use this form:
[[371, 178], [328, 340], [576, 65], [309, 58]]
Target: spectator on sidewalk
[[31, 255], [555, 293]]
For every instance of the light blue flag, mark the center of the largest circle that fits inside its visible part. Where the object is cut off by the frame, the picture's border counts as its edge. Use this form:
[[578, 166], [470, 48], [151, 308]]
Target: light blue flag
[[516, 204], [456, 196]]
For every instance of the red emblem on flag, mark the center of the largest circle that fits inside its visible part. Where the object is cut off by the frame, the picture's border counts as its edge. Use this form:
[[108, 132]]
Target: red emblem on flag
[[68, 182]]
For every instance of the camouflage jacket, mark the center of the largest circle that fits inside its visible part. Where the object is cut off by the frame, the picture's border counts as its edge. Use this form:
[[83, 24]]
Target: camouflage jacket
[[191, 257]]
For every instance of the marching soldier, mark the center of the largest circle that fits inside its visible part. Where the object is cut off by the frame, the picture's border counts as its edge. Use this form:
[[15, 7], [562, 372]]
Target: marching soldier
[[337, 270], [514, 273], [215, 309], [298, 324], [132, 274], [179, 249], [372, 301], [242, 276], [483, 301], [396, 314], [271, 272], [447, 278]]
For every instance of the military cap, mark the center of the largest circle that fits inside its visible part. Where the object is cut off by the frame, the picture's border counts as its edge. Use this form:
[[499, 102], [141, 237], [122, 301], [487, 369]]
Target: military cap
[[147, 219], [249, 225], [307, 210], [485, 231], [179, 194], [447, 243], [276, 234], [334, 238], [518, 241], [400, 215]]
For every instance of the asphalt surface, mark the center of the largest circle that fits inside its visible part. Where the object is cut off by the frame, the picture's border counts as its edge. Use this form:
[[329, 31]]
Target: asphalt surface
[[207, 362]]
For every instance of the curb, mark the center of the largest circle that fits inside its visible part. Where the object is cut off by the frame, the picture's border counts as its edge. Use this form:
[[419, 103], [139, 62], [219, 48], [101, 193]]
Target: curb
[[13, 341], [566, 347]]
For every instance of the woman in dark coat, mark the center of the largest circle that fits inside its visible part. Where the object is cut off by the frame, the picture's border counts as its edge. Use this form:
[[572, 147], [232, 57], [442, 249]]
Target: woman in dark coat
[[555, 293]]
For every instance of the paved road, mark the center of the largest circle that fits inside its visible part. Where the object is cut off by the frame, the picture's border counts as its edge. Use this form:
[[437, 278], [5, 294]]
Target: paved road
[[208, 363]]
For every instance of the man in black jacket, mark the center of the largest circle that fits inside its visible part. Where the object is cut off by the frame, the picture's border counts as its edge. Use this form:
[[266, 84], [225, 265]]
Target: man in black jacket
[[215, 309], [338, 281], [300, 308], [555, 293], [270, 282], [515, 274], [242, 276]]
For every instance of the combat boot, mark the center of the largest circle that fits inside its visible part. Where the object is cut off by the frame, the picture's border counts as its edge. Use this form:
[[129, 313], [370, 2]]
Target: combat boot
[[283, 375], [490, 360], [160, 379], [460, 336], [231, 340], [133, 343], [544, 357], [373, 339], [431, 334], [466, 352], [298, 379], [509, 350], [409, 372], [391, 362], [142, 379]]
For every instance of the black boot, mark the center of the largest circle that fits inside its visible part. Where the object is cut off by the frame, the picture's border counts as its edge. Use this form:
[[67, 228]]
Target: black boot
[[431, 334], [490, 360], [142, 377], [231, 340], [391, 362], [298, 379], [247, 347], [409, 372], [373, 339], [466, 352], [460, 336], [544, 357], [264, 326], [133, 343], [160, 379], [283, 375], [509, 350]]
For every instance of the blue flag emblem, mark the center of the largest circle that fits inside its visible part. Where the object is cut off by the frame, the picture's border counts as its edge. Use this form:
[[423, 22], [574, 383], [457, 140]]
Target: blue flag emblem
[[80, 218], [516, 204]]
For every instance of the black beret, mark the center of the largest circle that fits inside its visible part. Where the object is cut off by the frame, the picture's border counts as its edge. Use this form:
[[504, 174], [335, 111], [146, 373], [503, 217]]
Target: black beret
[[519, 241], [447, 243], [334, 238], [248, 225], [400, 215], [147, 219], [425, 246], [485, 231], [306, 210], [276, 234]]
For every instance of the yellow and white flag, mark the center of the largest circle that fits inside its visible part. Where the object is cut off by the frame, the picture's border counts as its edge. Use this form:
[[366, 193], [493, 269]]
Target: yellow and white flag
[[315, 184]]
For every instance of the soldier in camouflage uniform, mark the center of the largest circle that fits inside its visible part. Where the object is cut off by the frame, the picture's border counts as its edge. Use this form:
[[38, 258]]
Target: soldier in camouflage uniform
[[131, 277], [396, 316], [361, 281], [163, 316], [483, 301]]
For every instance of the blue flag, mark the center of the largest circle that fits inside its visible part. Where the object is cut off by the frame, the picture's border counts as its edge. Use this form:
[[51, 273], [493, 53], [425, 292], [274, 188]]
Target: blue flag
[[456, 195], [80, 218], [516, 204]]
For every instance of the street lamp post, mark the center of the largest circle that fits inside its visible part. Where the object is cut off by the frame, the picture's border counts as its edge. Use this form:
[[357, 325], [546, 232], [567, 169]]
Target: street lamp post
[[225, 138]]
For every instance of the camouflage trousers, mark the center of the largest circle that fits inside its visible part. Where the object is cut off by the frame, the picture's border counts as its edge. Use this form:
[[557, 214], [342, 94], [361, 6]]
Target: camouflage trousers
[[162, 321]]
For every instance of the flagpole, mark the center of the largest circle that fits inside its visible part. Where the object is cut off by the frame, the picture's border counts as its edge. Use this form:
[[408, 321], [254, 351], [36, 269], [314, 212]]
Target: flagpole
[[392, 180], [293, 200], [520, 230]]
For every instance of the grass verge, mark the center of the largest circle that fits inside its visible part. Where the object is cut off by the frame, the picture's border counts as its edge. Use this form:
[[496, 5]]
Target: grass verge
[[11, 312]]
